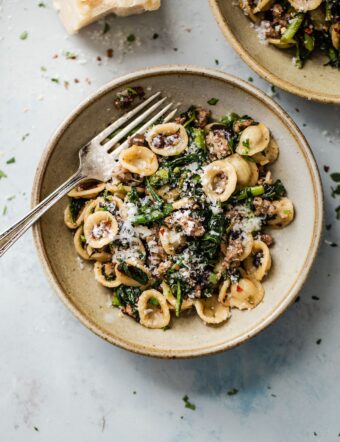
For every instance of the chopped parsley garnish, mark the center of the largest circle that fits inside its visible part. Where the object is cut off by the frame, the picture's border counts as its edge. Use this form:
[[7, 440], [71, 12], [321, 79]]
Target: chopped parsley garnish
[[11, 160], [335, 177], [232, 392], [2, 174], [55, 80], [131, 38], [4, 211], [70, 55], [107, 28], [23, 138], [213, 101], [41, 5], [24, 35], [337, 211], [188, 404]]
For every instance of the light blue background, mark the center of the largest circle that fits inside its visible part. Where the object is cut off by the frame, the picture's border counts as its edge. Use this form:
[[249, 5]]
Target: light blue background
[[57, 376]]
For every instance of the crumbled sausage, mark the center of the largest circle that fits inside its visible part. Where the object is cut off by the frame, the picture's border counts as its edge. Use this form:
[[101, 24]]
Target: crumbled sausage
[[266, 238], [137, 140], [263, 207], [190, 226], [240, 125], [217, 144], [122, 175], [202, 117]]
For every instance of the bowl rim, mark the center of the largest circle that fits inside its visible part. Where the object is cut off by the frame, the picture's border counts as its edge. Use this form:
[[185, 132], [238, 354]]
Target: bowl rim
[[305, 150], [259, 69]]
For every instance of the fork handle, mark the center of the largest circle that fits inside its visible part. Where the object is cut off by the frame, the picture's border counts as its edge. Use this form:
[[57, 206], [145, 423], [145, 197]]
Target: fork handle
[[10, 236]]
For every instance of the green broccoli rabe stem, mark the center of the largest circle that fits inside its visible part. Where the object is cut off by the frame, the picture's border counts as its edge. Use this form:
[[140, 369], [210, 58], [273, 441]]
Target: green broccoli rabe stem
[[133, 272], [199, 138], [157, 199], [249, 192], [179, 299], [293, 27], [153, 215]]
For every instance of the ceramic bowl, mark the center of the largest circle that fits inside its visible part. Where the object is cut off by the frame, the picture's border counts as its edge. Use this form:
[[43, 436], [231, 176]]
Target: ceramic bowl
[[314, 82], [293, 253]]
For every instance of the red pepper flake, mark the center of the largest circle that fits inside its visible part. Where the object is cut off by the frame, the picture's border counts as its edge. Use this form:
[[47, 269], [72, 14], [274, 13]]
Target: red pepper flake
[[309, 30], [326, 169], [161, 230], [239, 288], [109, 53]]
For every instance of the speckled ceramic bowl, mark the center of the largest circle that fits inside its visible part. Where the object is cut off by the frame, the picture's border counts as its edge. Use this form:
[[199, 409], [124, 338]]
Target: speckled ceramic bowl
[[314, 82], [293, 253]]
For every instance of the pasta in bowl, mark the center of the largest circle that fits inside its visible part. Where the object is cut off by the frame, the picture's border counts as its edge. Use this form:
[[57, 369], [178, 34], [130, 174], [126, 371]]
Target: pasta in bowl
[[182, 224], [85, 277]]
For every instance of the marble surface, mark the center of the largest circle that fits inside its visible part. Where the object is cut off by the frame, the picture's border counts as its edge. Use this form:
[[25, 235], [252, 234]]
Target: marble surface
[[58, 381]]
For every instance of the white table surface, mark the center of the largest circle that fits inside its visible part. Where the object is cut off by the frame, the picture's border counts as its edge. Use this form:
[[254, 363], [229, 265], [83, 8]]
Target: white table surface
[[58, 381]]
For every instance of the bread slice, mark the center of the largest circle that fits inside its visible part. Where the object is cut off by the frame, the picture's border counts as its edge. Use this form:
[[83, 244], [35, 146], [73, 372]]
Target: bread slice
[[75, 14]]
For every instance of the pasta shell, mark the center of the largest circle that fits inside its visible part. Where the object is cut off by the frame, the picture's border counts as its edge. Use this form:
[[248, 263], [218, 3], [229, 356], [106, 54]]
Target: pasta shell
[[171, 240], [151, 315], [305, 5], [98, 254], [284, 213], [140, 160], [280, 44], [126, 280], [219, 180], [80, 244], [88, 189], [253, 139], [247, 293], [268, 155], [211, 311], [68, 217], [254, 177], [100, 229], [242, 168], [259, 262], [263, 5], [223, 295], [335, 35], [167, 293], [105, 274], [167, 139]]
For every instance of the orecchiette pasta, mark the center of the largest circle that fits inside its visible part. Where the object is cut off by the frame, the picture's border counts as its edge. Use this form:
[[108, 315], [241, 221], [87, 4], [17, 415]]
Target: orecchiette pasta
[[167, 139], [284, 213], [167, 293], [211, 311], [247, 293], [105, 274], [242, 169], [253, 139], [132, 273], [180, 223], [88, 189], [100, 229], [259, 262], [139, 160], [219, 180], [268, 155], [153, 309]]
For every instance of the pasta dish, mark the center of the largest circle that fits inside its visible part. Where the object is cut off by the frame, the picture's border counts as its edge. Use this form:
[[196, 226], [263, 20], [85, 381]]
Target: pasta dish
[[182, 225]]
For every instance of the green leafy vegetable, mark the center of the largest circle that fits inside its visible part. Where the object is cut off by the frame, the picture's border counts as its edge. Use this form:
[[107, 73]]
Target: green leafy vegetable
[[188, 404], [75, 206], [335, 177], [24, 35], [11, 160], [179, 299], [292, 28], [213, 101], [133, 272], [2, 174]]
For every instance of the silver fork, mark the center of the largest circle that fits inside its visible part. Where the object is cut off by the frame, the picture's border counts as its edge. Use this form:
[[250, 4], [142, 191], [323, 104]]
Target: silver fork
[[96, 160]]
